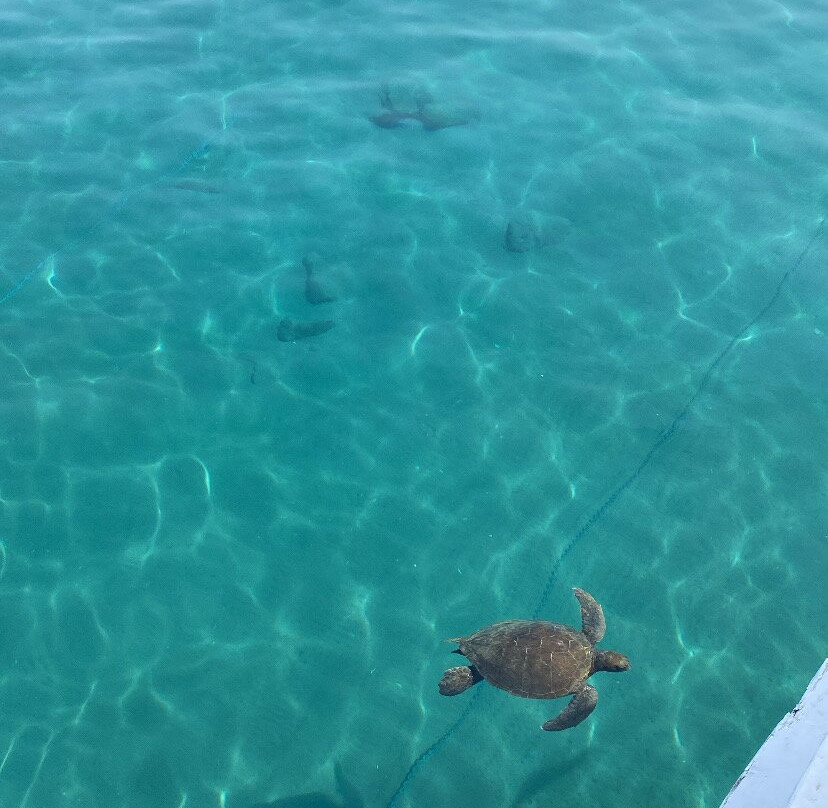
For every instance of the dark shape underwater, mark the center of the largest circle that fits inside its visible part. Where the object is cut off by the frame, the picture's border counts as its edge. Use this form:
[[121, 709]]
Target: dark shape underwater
[[393, 118], [528, 230], [291, 330], [314, 293], [346, 797]]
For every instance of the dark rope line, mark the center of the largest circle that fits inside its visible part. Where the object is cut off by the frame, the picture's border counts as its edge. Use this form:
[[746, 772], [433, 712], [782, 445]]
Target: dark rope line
[[118, 205], [602, 509], [423, 757], [599, 512]]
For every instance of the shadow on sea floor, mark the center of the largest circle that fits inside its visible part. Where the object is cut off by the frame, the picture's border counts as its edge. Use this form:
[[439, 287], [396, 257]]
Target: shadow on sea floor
[[543, 781], [346, 797]]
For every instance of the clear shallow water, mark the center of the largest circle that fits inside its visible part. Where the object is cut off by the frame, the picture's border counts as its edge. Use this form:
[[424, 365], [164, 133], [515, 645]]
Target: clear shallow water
[[228, 562]]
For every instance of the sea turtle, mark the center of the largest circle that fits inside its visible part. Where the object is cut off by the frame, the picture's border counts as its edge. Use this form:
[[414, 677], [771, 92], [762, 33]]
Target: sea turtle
[[537, 659]]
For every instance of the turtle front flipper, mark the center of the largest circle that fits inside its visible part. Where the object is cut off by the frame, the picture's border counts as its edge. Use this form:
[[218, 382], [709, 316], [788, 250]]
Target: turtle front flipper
[[456, 680], [582, 704], [592, 616]]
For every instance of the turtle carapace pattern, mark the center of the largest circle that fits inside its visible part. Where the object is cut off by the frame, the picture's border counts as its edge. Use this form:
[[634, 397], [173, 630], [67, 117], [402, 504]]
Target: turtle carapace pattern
[[538, 659]]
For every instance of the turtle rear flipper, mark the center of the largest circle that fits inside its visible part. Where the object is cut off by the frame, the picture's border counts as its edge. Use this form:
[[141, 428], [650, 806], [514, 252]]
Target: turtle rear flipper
[[582, 704]]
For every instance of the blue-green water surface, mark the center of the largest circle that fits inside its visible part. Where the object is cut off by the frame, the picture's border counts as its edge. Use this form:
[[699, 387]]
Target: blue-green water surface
[[228, 561]]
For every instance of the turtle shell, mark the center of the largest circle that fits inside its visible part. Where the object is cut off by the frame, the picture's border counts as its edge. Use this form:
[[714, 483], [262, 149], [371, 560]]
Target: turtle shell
[[535, 659]]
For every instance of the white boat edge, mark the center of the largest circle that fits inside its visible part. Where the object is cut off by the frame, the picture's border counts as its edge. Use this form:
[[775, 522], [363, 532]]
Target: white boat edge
[[790, 770]]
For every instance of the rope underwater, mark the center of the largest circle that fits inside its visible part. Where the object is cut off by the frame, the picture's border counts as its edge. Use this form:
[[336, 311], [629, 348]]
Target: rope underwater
[[119, 204], [599, 512], [613, 497]]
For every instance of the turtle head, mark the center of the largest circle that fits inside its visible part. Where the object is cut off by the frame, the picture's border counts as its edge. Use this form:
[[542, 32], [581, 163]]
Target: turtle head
[[610, 661], [456, 680]]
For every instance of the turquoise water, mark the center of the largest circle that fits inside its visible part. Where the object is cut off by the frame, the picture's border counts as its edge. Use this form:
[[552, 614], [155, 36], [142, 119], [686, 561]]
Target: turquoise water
[[228, 561]]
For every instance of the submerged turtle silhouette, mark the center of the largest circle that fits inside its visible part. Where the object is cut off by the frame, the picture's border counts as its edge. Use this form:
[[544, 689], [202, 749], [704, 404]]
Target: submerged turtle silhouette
[[393, 118], [537, 659]]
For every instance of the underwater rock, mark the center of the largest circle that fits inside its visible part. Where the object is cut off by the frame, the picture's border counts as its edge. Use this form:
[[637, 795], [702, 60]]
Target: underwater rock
[[314, 293], [528, 230], [291, 330]]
